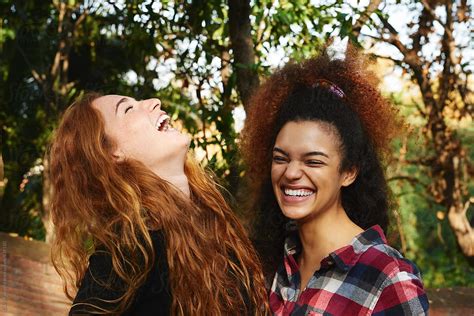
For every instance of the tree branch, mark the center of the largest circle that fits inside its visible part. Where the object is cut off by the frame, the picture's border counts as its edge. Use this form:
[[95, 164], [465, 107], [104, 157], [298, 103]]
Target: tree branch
[[411, 180], [365, 16], [38, 77], [428, 9], [396, 61], [419, 109]]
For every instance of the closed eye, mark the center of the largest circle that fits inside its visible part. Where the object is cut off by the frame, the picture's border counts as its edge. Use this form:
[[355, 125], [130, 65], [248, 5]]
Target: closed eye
[[314, 163], [279, 159], [128, 108]]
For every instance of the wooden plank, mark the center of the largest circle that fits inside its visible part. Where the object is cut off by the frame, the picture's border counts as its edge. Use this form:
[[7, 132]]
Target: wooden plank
[[30, 285]]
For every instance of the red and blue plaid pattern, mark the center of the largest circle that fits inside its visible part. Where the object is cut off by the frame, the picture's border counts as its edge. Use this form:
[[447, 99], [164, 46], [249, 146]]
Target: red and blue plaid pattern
[[367, 277]]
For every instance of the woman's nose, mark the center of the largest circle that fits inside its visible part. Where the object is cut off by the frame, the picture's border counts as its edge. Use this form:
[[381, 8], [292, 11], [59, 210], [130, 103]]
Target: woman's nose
[[293, 171]]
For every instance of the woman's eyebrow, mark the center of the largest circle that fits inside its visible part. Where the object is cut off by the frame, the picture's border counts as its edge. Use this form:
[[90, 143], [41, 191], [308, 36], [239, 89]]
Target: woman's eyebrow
[[315, 153], [118, 104], [311, 153], [281, 151]]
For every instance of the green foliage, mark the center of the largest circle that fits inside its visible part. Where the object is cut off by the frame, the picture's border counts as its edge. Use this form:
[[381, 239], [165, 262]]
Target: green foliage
[[430, 241], [180, 52], [122, 47]]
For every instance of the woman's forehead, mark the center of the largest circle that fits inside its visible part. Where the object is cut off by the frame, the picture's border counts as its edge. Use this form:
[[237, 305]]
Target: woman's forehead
[[108, 99], [107, 104]]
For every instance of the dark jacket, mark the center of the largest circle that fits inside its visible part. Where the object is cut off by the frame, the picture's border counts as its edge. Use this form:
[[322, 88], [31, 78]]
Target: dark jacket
[[152, 298]]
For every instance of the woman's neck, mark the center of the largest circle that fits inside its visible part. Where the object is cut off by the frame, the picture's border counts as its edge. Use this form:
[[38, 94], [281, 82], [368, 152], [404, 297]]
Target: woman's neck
[[180, 181], [175, 175], [324, 234]]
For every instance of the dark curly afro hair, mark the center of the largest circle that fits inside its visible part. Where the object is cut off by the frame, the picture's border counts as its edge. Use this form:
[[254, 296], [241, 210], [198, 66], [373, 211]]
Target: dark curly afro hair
[[364, 120]]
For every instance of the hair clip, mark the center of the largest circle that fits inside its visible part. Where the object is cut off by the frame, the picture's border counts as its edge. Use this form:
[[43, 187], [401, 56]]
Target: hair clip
[[332, 87]]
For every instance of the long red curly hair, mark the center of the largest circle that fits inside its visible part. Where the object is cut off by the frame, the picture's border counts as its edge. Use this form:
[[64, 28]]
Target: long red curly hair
[[100, 202]]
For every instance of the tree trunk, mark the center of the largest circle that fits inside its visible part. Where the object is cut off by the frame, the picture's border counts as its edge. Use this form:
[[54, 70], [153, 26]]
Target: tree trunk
[[462, 228], [447, 172], [55, 88], [243, 48], [450, 158], [448, 167]]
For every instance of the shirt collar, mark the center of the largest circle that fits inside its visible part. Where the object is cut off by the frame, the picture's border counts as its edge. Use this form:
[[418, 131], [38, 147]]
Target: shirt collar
[[292, 247], [343, 258]]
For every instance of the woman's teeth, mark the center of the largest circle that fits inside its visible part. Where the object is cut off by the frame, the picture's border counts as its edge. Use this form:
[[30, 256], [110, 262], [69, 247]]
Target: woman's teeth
[[300, 192], [162, 124]]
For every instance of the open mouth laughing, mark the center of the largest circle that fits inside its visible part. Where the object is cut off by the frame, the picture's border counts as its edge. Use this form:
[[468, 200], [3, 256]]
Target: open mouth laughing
[[296, 194], [163, 123]]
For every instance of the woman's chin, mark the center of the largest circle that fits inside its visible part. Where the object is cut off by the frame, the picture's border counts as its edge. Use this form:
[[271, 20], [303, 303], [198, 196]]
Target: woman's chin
[[294, 213]]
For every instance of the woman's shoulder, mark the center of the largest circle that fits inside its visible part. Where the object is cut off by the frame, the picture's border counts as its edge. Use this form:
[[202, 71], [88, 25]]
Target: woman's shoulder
[[101, 283], [401, 287], [399, 284], [371, 250], [389, 261], [101, 258]]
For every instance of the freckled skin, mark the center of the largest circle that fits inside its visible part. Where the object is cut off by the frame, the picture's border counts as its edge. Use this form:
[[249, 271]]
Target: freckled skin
[[132, 127]]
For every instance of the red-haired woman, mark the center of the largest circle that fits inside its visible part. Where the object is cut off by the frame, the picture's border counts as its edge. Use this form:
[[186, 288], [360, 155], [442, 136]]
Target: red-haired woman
[[140, 228], [322, 128]]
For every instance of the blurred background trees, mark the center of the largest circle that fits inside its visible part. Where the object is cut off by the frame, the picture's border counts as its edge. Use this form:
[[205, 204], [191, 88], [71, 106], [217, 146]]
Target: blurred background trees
[[204, 58]]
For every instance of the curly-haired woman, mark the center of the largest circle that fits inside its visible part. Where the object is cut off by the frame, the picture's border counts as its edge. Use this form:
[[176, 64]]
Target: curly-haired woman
[[315, 138], [140, 228]]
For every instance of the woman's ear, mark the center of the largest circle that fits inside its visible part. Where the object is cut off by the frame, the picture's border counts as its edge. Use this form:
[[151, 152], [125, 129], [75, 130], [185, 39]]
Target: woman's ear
[[118, 155], [349, 176]]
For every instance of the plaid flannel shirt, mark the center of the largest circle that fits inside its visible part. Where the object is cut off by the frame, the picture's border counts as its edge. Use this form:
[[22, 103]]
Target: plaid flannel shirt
[[366, 277]]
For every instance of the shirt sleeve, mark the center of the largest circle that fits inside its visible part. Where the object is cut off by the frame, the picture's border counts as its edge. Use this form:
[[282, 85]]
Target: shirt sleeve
[[403, 294]]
